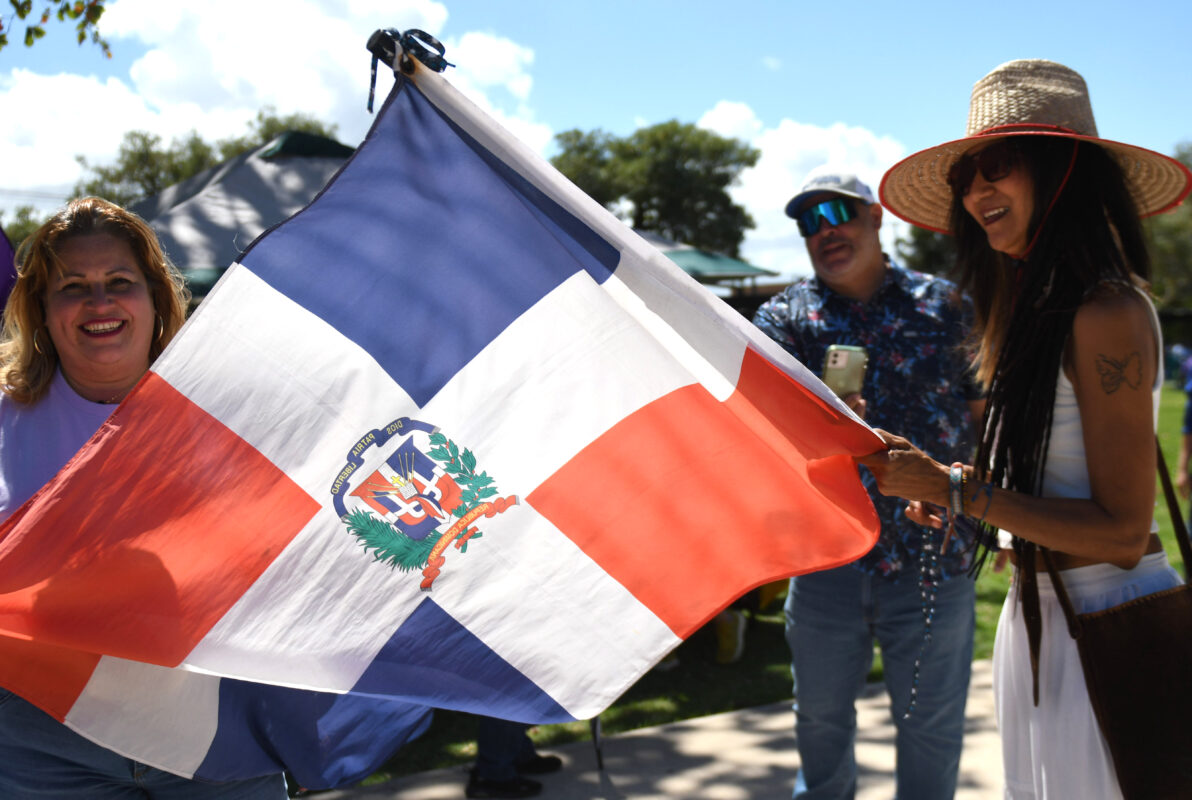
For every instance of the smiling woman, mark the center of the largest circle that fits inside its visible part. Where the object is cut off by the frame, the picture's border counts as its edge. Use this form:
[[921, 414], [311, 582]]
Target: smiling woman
[[95, 298], [100, 316], [94, 303], [998, 194]]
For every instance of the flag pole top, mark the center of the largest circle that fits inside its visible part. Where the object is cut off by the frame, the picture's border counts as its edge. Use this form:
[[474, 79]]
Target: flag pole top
[[398, 50]]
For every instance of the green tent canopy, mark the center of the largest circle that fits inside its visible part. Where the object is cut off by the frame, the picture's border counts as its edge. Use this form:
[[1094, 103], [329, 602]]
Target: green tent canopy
[[706, 266]]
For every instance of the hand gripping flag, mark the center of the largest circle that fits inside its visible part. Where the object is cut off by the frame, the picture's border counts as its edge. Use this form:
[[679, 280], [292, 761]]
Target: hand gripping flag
[[452, 436]]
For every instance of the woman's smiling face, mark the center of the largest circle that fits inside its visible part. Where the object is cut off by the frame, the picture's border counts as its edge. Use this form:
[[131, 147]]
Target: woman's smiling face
[[100, 316], [1003, 208]]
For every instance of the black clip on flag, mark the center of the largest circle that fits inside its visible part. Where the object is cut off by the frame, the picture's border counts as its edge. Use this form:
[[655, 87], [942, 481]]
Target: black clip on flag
[[396, 49]]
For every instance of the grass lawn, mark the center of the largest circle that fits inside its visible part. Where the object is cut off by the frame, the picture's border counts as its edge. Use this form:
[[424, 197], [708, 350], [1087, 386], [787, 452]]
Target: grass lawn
[[698, 686]]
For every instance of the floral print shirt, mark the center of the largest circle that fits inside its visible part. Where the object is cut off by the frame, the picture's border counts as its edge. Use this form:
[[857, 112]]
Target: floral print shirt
[[918, 385]]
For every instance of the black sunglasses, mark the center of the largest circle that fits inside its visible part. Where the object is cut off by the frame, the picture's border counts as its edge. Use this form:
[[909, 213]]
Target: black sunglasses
[[994, 163]]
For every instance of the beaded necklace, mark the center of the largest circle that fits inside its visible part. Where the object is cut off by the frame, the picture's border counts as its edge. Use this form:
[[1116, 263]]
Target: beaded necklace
[[929, 581]]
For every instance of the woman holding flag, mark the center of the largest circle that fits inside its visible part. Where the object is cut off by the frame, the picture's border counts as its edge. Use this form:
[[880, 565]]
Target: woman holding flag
[[94, 303], [1046, 219]]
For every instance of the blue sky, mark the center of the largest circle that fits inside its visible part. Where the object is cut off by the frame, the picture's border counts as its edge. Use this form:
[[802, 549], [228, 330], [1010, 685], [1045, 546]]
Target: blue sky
[[863, 83]]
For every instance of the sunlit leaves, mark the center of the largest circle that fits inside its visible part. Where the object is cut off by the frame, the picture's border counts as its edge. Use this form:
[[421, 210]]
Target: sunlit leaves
[[85, 15]]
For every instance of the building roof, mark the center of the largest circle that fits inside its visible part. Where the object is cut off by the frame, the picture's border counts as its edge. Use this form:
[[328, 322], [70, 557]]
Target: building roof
[[206, 221]]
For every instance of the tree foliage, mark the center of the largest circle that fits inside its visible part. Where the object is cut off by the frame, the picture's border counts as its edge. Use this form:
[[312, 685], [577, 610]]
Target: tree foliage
[[671, 178], [144, 165], [1170, 239], [25, 221], [587, 161], [926, 251], [267, 126], [84, 14]]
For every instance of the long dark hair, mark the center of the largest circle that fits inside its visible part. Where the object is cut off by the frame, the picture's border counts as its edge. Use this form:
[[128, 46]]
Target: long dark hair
[[1087, 235]]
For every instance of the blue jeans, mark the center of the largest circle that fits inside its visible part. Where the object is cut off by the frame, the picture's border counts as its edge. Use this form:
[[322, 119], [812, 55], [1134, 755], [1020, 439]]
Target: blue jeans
[[832, 620], [500, 746], [42, 758]]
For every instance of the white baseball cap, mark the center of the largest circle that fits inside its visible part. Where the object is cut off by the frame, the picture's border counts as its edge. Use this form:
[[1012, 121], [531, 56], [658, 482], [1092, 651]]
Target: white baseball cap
[[828, 178]]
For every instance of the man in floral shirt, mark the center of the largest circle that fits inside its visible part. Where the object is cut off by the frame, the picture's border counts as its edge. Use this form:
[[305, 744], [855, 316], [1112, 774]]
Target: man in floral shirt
[[918, 383]]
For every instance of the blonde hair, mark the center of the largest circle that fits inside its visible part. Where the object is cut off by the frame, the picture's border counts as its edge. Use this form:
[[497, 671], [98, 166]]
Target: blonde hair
[[27, 356]]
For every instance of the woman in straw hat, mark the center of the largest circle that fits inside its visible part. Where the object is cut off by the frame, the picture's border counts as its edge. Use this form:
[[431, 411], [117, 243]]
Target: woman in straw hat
[[1050, 245]]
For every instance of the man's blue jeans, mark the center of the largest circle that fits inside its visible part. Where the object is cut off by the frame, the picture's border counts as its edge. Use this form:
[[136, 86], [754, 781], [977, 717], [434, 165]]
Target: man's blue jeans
[[832, 621], [42, 758], [500, 746]]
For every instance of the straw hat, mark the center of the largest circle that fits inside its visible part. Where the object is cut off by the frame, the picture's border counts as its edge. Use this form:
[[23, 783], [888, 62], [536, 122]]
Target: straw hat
[[1026, 98]]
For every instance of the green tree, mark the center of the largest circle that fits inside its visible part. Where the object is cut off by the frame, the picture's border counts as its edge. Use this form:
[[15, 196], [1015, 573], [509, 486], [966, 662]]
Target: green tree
[[25, 221], [144, 165], [926, 251], [85, 16], [587, 161], [1170, 239], [268, 126], [671, 178]]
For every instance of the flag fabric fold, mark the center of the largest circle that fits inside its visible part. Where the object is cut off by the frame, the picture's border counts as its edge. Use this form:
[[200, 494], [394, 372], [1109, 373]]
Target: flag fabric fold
[[450, 437]]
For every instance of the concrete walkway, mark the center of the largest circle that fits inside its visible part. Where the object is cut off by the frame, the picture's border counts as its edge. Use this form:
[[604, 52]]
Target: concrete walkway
[[734, 756]]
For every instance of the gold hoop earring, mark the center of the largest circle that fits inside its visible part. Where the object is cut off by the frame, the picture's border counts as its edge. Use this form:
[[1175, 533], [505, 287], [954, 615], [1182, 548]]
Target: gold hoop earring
[[37, 346], [161, 327]]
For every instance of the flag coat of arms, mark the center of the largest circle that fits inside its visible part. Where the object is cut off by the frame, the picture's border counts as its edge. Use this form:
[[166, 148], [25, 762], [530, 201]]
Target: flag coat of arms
[[452, 436]]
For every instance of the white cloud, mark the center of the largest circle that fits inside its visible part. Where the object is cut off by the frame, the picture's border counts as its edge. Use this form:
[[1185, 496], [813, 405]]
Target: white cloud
[[237, 57], [486, 61], [736, 120], [212, 66], [63, 116], [494, 73], [790, 150]]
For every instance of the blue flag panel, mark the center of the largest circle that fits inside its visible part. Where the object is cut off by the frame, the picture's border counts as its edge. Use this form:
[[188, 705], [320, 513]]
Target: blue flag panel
[[426, 274]]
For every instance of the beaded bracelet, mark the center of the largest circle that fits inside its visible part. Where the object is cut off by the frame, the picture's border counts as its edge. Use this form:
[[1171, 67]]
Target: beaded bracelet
[[956, 488]]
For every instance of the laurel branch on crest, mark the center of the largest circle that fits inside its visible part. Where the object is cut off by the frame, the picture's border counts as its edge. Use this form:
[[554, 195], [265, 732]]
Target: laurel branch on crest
[[389, 544]]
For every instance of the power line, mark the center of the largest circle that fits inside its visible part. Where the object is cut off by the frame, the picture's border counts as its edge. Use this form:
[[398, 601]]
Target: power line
[[34, 194]]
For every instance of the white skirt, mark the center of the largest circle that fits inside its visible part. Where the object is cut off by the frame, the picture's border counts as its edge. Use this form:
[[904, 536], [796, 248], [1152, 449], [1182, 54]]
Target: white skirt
[[1055, 751]]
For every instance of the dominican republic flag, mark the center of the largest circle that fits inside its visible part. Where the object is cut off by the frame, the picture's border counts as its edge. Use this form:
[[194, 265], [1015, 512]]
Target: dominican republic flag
[[450, 437]]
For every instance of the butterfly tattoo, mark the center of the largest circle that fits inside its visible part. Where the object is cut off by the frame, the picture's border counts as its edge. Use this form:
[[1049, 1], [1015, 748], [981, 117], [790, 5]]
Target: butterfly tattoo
[[1114, 372]]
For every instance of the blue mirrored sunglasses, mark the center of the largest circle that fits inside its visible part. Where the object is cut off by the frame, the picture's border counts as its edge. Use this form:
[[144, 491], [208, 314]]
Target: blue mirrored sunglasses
[[835, 211]]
